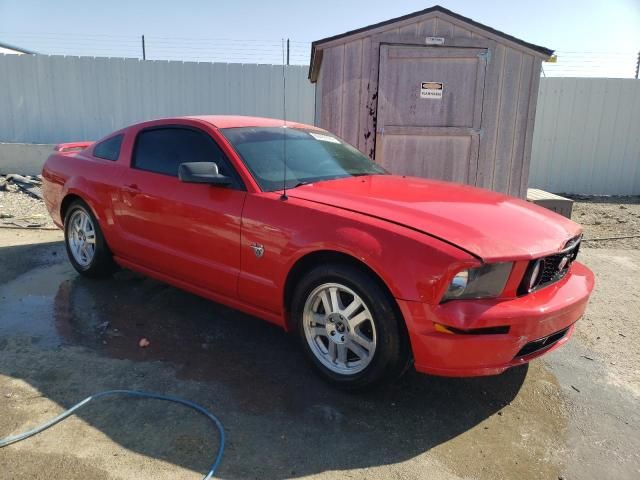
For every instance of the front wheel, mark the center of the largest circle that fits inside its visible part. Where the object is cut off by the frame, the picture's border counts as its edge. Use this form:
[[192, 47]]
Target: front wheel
[[87, 250], [349, 327]]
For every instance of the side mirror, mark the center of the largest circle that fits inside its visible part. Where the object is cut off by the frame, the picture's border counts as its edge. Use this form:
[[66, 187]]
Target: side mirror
[[202, 172]]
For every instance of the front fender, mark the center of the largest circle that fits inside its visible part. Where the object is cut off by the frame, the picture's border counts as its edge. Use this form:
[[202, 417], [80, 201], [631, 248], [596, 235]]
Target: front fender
[[410, 263]]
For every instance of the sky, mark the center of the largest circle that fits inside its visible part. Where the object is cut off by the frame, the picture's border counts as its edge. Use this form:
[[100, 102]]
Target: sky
[[597, 37]]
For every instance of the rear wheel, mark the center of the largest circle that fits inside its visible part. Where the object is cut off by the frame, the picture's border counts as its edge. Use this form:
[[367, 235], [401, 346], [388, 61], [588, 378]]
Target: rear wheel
[[349, 327], [87, 250]]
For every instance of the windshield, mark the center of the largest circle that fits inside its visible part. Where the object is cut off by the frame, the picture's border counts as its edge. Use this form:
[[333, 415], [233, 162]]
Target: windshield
[[312, 156]]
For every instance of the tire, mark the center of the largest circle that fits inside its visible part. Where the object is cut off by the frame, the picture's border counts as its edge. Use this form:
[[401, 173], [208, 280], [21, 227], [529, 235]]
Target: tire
[[86, 247], [374, 328]]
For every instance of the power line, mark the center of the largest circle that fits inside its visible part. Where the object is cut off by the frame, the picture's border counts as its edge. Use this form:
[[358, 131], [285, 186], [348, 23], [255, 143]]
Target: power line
[[268, 51]]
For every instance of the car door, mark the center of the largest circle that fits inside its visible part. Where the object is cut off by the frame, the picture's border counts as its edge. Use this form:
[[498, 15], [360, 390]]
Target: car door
[[188, 231]]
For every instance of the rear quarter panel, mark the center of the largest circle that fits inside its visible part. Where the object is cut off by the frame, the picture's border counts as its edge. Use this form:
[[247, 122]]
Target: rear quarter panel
[[89, 178], [54, 178]]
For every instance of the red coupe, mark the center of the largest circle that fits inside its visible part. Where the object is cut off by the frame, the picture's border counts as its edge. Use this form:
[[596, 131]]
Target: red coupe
[[289, 223]]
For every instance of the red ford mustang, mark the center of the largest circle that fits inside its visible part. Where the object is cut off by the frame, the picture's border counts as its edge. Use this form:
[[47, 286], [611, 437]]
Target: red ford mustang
[[373, 271]]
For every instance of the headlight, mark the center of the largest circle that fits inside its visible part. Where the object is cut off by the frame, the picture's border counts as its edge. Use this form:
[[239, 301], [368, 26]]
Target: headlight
[[458, 284], [482, 282]]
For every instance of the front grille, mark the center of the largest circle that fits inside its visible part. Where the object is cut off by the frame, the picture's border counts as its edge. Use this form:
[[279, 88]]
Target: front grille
[[542, 343], [551, 272], [553, 269]]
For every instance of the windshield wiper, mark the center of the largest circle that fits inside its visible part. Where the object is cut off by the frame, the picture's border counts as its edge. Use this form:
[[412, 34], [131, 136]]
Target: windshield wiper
[[366, 174]]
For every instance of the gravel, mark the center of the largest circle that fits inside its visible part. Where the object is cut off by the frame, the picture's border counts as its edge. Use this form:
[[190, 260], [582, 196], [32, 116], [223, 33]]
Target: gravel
[[19, 209]]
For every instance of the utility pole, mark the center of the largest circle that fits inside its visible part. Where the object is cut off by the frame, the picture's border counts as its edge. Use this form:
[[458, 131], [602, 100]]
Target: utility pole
[[638, 65], [144, 52], [288, 56]]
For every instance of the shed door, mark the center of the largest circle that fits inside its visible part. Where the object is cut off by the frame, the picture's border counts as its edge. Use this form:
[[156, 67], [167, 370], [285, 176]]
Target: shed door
[[430, 111]]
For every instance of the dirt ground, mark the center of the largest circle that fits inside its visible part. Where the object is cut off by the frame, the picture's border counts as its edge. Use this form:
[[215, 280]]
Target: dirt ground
[[572, 414], [607, 217]]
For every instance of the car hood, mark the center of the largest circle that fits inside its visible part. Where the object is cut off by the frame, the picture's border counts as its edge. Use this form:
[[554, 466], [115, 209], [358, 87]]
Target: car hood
[[487, 224]]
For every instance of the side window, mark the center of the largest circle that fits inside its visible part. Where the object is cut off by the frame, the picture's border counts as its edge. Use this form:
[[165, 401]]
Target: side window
[[109, 149], [162, 150]]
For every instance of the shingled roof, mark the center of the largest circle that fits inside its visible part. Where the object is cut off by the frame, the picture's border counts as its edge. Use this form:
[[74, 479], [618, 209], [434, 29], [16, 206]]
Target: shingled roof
[[17, 49], [437, 8]]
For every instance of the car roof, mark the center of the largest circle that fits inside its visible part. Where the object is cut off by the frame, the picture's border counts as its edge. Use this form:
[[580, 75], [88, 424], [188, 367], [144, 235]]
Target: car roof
[[232, 121]]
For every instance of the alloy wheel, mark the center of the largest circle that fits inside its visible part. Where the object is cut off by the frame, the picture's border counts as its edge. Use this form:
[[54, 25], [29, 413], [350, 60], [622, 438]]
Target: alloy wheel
[[82, 238], [339, 328]]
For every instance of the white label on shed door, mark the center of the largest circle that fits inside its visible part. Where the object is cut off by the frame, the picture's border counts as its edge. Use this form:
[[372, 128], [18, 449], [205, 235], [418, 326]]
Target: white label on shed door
[[434, 40], [431, 90]]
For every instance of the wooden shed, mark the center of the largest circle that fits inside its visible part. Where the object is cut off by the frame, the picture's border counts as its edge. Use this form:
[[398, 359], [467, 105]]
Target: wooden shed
[[433, 94]]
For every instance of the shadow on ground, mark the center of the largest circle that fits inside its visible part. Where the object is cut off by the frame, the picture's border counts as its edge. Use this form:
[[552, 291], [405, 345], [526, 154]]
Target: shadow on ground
[[68, 336]]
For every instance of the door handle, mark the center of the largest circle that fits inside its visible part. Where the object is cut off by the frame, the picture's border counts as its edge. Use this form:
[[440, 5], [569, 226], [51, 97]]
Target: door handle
[[132, 188]]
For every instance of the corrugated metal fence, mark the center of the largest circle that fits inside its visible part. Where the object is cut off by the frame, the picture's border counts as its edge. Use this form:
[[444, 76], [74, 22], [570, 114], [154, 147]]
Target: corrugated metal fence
[[587, 136], [53, 99]]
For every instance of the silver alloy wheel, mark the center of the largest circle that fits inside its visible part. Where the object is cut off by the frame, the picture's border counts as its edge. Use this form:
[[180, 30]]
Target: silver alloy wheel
[[339, 328], [82, 237]]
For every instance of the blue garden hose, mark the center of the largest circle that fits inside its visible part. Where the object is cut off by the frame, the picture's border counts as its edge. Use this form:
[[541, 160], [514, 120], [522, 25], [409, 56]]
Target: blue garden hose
[[131, 393]]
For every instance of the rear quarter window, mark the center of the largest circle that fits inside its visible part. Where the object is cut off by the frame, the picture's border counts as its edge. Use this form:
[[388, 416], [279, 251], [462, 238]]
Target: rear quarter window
[[109, 149]]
